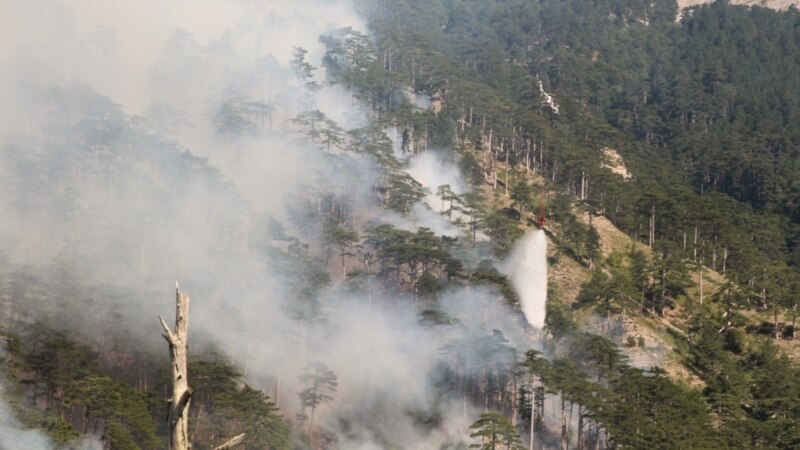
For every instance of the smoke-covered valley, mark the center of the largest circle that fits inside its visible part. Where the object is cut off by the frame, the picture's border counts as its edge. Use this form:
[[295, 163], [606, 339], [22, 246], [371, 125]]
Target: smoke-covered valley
[[144, 143]]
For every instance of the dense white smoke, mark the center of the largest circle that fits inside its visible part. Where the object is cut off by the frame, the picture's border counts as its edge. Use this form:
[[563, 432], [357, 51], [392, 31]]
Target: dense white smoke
[[12, 436], [527, 268], [432, 171], [120, 167]]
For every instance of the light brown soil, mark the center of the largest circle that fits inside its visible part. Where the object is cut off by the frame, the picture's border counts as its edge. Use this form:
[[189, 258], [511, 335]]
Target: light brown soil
[[612, 239], [612, 161], [566, 276]]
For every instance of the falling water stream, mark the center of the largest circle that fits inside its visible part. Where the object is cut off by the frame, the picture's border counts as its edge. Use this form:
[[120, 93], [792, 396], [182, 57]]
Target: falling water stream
[[527, 268]]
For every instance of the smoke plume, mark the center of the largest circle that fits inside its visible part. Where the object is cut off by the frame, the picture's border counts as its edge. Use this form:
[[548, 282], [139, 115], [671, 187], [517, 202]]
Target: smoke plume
[[150, 141]]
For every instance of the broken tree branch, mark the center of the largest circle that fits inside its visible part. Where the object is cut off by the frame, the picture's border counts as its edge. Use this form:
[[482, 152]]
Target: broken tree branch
[[236, 440]]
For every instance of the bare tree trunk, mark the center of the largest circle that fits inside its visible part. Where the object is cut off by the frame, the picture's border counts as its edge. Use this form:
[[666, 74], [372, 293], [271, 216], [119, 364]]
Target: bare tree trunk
[[486, 390], [583, 185], [311, 429], [344, 268], [591, 254], [533, 412], [563, 423], [724, 259], [569, 423], [178, 415], [464, 404], [199, 420], [507, 168], [278, 391], [178, 412], [714, 254], [514, 403], [701, 283]]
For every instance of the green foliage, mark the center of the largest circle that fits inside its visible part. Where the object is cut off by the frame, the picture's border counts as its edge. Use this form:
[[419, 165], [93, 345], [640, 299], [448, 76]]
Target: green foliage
[[303, 70], [639, 409], [302, 275], [596, 290], [521, 195], [413, 256], [495, 432], [665, 414], [319, 129], [319, 379], [57, 429], [592, 244], [705, 137], [704, 113], [487, 274], [445, 192], [460, 445], [403, 191], [336, 236], [632, 284], [502, 225], [700, 114], [66, 376], [231, 121], [223, 406], [558, 319], [748, 386]]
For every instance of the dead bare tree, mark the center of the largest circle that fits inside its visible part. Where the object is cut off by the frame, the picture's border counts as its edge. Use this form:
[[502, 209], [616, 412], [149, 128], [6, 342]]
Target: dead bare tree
[[178, 408]]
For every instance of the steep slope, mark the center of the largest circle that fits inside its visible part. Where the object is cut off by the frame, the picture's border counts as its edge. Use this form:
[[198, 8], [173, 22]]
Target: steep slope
[[343, 248]]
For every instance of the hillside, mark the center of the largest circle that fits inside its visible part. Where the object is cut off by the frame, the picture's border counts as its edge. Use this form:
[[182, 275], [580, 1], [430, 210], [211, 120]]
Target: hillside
[[681, 200], [407, 224], [656, 341], [774, 4]]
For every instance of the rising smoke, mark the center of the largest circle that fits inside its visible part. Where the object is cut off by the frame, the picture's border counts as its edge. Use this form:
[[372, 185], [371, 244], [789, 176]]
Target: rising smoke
[[13, 436], [121, 166]]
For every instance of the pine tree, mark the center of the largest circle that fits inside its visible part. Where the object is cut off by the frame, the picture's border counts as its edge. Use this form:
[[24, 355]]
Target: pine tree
[[320, 381], [495, 433]]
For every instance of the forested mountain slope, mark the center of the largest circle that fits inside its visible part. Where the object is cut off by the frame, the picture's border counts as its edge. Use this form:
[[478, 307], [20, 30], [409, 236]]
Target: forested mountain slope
[[775, 4], [686, 105], [713, 157], [347, 190]]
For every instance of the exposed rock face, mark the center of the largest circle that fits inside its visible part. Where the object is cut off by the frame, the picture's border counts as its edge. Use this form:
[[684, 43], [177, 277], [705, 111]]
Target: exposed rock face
[[613, 162]]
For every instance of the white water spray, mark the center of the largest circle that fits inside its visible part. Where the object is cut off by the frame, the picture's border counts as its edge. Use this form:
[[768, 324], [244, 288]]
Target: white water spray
[[527, 268]]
